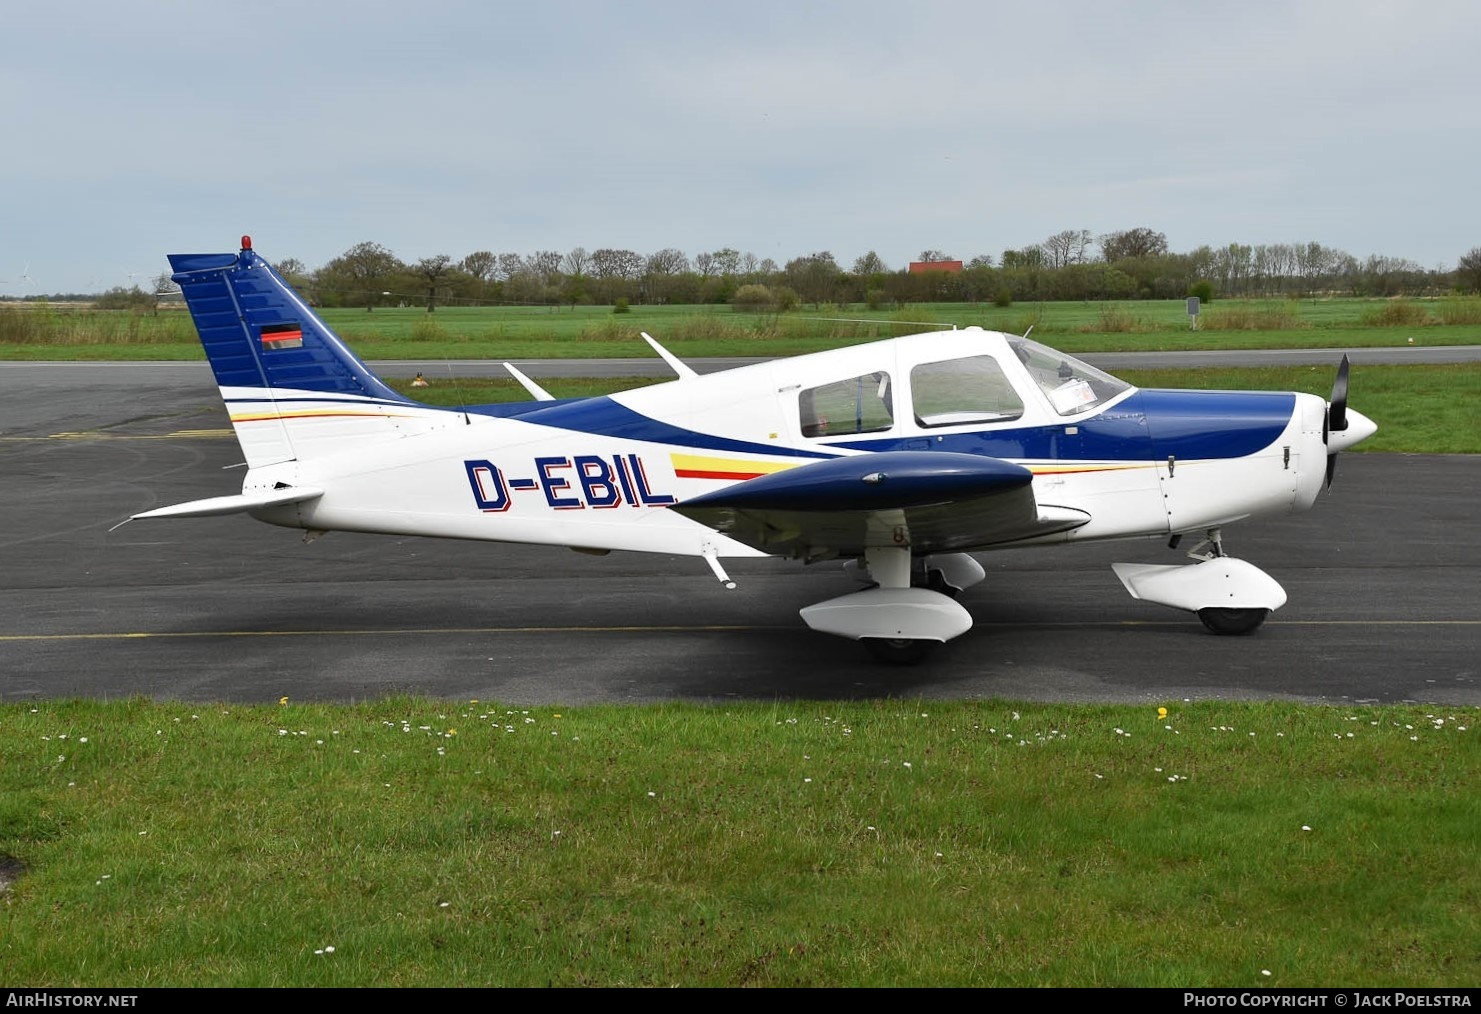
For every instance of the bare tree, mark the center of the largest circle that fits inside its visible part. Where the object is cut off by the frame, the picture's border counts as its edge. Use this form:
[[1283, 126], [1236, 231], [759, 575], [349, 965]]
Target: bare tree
[[1233, 264], [163, 286], [667, 261], [1283, 263], [511, 265], [1314, 263], [577, 262], [933, 257], [980, 261], [546, 264], [1066, 247], [660, 272], [610, 263], [704, 264], [870, 264]]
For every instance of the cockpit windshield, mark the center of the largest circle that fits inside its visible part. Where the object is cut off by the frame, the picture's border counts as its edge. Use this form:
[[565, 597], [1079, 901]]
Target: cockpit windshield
[[1071, 386]]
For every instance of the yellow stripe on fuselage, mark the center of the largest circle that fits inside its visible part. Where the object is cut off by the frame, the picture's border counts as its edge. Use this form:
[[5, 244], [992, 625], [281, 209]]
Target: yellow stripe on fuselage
[[694, 466], [321, 413]]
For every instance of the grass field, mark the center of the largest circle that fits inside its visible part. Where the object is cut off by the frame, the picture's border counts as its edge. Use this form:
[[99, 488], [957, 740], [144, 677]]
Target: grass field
[[699, 331], [891, 843]]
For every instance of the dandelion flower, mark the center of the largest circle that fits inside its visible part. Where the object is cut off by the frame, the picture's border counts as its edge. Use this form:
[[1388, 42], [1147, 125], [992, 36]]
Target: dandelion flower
[[283, 699]]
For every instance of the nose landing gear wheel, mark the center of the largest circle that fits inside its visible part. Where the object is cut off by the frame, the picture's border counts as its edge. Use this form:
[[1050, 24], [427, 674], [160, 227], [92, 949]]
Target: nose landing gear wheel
[[899, 650], [1232, 621]]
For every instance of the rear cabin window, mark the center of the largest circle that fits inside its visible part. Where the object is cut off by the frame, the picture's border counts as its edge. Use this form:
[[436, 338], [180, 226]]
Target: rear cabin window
[[962, 391], [863, 404]]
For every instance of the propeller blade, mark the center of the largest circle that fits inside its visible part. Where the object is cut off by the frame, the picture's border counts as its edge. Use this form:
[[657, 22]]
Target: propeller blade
[[1337, 412], [1336, 418]]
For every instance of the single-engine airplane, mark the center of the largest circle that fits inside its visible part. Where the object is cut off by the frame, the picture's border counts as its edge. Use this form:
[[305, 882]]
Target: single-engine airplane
[[898, 457]]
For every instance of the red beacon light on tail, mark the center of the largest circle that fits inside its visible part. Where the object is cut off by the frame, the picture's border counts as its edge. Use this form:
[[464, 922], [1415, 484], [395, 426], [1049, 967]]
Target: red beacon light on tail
[[246, 242]]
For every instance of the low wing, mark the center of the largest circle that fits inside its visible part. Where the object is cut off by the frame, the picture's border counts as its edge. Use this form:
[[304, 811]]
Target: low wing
[[934, 501]]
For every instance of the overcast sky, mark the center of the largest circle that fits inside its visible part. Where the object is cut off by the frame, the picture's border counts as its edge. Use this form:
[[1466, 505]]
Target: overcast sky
[[131, 129]]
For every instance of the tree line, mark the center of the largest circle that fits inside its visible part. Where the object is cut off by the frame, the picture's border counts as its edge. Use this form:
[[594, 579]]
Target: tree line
[[1069, 265]]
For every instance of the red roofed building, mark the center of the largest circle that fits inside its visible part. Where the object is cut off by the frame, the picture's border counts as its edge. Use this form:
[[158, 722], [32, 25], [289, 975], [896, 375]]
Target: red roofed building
[[921, 267]]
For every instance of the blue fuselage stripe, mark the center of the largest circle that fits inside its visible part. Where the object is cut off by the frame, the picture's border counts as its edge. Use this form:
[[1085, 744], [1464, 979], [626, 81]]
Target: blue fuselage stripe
[[1149, 425], [606, 417]]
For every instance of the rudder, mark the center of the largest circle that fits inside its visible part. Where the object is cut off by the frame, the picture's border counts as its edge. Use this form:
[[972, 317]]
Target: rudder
[[291, 386]]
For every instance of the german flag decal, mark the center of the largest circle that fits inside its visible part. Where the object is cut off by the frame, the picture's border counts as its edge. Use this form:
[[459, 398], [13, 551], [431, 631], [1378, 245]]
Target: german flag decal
[[281, 336]]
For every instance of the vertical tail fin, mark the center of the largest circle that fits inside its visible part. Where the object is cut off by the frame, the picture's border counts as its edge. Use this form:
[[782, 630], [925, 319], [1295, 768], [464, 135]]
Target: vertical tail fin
[[291, 387]]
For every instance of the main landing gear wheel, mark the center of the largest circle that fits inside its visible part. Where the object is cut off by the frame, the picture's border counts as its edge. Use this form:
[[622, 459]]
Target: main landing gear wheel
[[899, 650], [1232, 621]]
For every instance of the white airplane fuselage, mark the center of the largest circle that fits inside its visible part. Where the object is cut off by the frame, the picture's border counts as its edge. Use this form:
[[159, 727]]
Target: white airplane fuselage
[[531, 479]]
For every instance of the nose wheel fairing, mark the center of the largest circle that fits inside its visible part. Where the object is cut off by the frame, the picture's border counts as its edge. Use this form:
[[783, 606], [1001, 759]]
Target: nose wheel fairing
[[1230, 596]]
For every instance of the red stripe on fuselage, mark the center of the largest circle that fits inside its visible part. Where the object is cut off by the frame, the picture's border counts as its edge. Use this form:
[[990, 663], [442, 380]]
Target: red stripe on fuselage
[[698, 473]]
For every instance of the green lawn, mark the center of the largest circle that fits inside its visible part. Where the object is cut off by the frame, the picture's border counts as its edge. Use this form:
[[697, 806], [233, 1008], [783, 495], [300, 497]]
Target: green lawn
[[889, 843], [699, 331]]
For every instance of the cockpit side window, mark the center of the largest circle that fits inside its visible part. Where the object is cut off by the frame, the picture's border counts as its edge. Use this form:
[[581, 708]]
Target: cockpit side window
[[961, 391], [1072, 387], [863, 404]]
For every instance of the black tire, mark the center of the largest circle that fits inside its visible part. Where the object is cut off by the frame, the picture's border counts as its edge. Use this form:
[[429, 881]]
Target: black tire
[[899, 650], [1232, 622]]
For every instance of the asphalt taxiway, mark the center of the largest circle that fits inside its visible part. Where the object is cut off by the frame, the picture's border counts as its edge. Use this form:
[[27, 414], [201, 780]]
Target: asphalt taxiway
[[1382, 576]]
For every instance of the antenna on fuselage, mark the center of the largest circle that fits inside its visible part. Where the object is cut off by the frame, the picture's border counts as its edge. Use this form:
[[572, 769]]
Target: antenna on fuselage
[[535, 390], [462, 405], [675, 363]]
